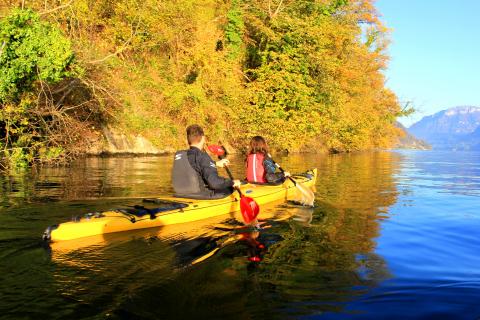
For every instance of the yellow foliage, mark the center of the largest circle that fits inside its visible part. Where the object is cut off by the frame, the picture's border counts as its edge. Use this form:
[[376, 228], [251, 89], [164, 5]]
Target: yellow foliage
[[308, 73]]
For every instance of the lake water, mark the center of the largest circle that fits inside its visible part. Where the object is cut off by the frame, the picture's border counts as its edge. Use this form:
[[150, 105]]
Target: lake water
[[393, 235]]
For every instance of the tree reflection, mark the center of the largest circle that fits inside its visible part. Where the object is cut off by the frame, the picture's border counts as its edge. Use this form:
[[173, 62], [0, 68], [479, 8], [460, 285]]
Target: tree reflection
[[89, 178], [313, 262], [333, 260]]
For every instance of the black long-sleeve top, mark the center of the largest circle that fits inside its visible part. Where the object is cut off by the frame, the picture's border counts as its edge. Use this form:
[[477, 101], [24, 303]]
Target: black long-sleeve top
[[205, 167]]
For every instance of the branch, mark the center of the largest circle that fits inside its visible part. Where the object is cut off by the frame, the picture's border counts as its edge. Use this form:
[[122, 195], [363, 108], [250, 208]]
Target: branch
[[124, 47], [92, 86], [69, 83], [243, 74], [277, 10], [1, 49], [57, 8], [77, 106], [59, 102]]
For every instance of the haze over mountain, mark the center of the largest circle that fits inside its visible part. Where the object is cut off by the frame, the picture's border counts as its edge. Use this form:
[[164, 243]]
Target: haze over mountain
[[473, 140], [455, 128]]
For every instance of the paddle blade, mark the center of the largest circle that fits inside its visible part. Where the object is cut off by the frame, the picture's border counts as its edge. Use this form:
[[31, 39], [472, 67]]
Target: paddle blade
[[217, 150], [249, 209], [305, 195]]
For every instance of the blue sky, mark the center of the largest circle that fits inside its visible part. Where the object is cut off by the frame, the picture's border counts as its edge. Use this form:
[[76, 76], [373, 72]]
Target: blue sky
[[435, 53]]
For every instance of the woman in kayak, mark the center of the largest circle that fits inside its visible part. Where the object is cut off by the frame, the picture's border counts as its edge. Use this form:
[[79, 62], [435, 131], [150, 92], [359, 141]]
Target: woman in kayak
[[260, 166]]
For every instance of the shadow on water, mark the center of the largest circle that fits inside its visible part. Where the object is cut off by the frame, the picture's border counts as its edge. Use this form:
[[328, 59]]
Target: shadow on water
[[303, 262]]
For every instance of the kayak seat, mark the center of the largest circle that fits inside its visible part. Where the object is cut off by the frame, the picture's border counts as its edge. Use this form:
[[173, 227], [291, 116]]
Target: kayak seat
[[140, 211]]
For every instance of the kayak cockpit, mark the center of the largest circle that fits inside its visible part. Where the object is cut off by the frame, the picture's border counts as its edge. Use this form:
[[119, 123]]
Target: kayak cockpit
[[158, 207]]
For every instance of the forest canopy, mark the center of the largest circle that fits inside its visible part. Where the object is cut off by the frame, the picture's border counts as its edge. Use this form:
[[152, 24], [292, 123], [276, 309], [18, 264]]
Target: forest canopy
[[307, 75]]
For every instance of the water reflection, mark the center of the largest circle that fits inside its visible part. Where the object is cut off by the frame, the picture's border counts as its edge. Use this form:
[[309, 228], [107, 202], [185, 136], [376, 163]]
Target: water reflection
[[89, 178], [439, 172], [302, 262]]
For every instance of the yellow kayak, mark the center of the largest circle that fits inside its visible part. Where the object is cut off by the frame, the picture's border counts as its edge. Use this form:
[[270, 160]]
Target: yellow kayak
[[171, 210]]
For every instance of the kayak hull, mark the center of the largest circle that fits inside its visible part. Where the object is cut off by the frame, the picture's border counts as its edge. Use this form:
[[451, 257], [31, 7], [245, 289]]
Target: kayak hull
[[193, 210]]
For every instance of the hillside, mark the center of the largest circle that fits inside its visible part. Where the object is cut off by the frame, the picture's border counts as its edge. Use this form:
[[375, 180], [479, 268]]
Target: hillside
[[306, 75], [408, 141], [451, 129], [472, 141]]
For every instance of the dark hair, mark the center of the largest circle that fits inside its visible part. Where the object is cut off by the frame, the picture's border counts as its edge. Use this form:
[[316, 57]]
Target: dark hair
[[194, 134], [258, 145]]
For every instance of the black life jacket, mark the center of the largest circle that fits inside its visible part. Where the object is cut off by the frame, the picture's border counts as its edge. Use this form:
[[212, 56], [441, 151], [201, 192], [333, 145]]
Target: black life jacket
[[185, 179]]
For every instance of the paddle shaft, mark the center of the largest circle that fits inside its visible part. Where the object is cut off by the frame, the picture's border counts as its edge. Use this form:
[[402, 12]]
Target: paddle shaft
[[283, 171], [291, 179], [307, 193], [231, 177]]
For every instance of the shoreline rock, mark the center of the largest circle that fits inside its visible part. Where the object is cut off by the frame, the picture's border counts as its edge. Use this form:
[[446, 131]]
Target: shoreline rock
[[115, 142]]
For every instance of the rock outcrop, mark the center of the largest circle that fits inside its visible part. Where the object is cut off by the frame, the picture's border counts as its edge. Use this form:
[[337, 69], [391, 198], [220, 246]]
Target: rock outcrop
[[115, 142]]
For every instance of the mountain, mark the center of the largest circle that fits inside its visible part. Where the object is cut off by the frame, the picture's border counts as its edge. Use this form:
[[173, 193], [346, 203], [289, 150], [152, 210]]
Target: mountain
[[453, 129], [408, 141], [473, 140]]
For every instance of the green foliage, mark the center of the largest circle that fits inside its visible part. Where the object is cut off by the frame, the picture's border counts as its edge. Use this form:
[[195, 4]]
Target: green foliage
[[17, 158], [234, 30], [33, 54], [17, 136], [31, 50]]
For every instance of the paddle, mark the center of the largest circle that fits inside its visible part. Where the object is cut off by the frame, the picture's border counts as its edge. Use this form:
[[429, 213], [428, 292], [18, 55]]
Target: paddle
[[308, 197], [248, 206]]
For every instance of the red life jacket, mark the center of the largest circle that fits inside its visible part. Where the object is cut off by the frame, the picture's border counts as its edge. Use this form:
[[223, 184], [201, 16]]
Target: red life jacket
[[255, 169]]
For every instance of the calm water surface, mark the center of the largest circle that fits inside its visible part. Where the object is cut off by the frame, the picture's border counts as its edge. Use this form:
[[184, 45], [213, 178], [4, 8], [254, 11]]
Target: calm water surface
[[393, 235]]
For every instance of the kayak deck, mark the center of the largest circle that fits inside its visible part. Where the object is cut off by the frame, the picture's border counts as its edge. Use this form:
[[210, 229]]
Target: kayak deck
[[171, 210]]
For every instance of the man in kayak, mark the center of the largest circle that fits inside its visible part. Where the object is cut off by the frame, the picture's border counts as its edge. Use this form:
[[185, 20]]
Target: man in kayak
[[194, 173]]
